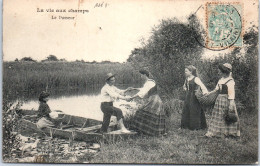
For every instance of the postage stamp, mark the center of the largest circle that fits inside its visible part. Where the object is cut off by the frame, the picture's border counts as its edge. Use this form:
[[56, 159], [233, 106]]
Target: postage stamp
[[224, 25]]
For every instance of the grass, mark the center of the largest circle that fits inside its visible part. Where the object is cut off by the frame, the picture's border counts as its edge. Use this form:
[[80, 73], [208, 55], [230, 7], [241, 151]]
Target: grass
[[184, 146], [178, 147], [25, 78]]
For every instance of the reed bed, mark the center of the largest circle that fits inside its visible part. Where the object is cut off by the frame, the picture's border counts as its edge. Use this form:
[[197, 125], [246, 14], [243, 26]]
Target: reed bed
[[25, 78]]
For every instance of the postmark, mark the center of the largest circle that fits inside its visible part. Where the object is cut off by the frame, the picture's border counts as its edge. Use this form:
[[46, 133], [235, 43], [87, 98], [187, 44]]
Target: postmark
[[224, 25]]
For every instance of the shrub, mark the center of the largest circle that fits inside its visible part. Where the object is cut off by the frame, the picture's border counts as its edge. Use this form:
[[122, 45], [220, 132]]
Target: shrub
[[174, 45], [171, 47], [10, 127], [28, 59], [244, 71]]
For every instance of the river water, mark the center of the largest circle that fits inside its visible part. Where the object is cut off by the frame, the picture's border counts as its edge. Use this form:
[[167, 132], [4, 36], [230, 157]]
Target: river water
[[87, 105]]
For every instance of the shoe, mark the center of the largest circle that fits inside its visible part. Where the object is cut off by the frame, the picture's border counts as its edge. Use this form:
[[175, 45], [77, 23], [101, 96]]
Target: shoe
[[209, 135], [125, 131]]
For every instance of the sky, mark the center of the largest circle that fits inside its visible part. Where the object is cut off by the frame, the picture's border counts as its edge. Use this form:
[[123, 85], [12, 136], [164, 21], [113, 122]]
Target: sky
[[108, 32]]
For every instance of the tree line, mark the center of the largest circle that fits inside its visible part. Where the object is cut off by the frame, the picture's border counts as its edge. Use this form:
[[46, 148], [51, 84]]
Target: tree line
[[53, 58]]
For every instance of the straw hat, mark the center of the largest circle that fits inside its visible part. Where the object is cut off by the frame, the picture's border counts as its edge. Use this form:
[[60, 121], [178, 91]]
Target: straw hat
[[109, 75]]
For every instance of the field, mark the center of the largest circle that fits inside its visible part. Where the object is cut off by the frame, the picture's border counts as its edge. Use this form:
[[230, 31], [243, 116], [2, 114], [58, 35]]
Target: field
[[177, 147]]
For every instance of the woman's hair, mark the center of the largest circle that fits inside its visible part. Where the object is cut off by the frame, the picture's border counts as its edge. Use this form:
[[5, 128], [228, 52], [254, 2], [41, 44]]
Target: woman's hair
[[145, 72], [42, 99], [192, 69], [224, 69], [43, 96]]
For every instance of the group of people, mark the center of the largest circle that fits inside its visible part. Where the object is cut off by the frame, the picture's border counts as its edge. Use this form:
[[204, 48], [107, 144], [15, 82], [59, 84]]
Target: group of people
[[150, 118], [193, 116]]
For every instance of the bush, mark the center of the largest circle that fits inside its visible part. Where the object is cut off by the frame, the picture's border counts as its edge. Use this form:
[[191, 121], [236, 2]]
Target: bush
[[28, 59], [171, 47], [174, 45], [244, 71], [10, 127]]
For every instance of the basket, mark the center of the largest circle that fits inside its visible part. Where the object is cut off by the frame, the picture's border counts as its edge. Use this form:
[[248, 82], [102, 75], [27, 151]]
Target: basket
[[230, 117], [207, 99]]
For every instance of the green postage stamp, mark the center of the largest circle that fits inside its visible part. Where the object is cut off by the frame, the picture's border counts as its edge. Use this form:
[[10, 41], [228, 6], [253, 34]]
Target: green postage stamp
[[224, 25]]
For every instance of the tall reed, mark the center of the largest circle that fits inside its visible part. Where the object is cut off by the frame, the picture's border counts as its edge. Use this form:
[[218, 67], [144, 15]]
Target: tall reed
[[24, 78]]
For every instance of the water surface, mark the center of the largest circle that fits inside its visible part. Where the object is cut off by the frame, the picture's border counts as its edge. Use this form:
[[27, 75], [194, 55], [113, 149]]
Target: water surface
[[84, 106]]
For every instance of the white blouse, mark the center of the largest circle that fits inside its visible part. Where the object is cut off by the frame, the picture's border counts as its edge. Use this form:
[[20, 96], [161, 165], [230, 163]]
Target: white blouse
[[110, 93], [199, 83], [149, 84], [230, 85]]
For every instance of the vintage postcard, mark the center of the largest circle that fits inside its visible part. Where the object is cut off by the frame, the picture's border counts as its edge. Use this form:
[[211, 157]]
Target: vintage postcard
[[136, 82]]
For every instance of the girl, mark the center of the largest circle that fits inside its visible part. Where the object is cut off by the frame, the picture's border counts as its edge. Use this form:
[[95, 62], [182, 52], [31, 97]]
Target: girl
[[47, 118], [193, 116], [225, 102], [150, 117]]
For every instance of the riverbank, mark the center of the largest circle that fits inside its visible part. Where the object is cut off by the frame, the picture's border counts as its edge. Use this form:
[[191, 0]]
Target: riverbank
[[186, 147], [179, 146]]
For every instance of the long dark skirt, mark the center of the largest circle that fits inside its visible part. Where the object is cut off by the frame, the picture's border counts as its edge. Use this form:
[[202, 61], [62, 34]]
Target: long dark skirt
[[193, 116]]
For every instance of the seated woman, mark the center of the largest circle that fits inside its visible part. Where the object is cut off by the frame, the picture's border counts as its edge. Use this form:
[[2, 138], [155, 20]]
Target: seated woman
[[150, 117], [44, 113]]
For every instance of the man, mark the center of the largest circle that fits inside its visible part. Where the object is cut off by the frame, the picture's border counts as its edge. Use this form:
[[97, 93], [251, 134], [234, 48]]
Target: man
[[109, 94]]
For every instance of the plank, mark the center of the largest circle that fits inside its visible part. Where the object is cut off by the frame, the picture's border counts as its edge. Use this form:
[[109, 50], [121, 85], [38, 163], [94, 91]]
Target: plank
[[118, 132], [96, 127]]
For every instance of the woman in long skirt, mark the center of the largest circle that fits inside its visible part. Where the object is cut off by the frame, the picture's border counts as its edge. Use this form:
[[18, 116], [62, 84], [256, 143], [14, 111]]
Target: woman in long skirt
[[150, 117], [193, 116], [225, 102]]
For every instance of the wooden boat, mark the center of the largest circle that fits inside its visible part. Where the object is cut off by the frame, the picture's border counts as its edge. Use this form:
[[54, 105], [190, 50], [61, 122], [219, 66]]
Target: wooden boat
[[71, 127]]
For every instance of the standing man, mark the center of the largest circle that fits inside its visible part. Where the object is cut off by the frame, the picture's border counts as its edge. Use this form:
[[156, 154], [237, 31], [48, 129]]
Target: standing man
[[109, 93]]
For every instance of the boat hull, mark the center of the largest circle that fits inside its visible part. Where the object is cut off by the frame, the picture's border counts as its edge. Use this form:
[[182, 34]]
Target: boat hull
[[74, 128]]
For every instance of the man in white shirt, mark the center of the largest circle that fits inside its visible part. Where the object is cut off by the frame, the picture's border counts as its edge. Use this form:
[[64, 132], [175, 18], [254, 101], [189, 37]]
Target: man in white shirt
[[109, 93]]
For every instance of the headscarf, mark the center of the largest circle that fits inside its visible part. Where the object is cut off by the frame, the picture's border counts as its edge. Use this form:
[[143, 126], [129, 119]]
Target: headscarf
[[192, 69], [225, 68], [145, 72]]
